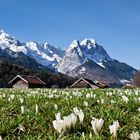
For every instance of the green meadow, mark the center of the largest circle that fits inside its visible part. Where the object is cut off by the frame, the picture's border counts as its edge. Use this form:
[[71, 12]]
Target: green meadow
[[29, 114]]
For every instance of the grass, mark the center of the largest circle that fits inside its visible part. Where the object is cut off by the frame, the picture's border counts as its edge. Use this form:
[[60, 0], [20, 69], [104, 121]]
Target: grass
[[107, 104]]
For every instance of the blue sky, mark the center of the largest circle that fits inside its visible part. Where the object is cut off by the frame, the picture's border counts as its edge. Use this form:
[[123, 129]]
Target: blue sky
[[114, 24]]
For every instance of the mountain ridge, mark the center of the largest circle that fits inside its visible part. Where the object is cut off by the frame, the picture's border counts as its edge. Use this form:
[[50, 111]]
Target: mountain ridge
[[84, 58], [44, 54]]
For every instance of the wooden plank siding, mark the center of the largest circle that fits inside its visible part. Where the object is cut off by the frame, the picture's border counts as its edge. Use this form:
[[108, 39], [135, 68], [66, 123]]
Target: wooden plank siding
[[20, 85]]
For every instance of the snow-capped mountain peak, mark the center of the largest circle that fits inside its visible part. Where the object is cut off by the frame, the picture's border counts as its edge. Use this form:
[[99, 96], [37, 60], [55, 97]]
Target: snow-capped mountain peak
[[7, 41], [5, 36], [45, 54], [80, 52], [32, 45], [88, 42], [74, 44]]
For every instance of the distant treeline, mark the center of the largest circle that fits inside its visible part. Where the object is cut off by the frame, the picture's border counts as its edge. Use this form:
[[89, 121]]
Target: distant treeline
[[9, 71]]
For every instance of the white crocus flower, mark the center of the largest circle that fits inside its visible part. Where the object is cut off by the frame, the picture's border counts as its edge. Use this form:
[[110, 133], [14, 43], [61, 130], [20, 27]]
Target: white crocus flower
[[9, 99], [58, 116], [36, 109], [98, 101], [75, 110], [3, 95], [134, 136], [97, 124], [55, 106], [79, 113], [21, 100], [112, 101], [125, 98], [21, 128], [139, 99], [67, 121], [12, 96], [83, 135], [50, 96], [70, 97], [135, 99], [74, 119], [94, 96], [0, 137], [136, 93], [102, 101], [22, 109], [70, 120], [109, 93], [85, 103], [90, 135], [89, 95], [113, 128], [58, 125], [81, 116]]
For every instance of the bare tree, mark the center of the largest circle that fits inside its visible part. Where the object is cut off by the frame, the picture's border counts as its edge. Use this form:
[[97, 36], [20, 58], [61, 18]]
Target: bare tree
[[137, 79]]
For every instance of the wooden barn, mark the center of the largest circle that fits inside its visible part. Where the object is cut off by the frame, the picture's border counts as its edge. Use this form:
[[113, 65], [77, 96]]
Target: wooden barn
[[86, 83], [25, 82]]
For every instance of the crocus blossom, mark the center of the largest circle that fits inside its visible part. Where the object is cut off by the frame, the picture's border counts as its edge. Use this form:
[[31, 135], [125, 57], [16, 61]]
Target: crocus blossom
[[79, 113], [58, 125], [113, 128], [97, 124], [55, 106], [66, 123], [36, 109], [21, 100], [134, 136], [22, 109]]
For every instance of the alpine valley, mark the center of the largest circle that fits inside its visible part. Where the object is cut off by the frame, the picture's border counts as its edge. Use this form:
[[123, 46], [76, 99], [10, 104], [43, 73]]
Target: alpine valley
[[85, 59]]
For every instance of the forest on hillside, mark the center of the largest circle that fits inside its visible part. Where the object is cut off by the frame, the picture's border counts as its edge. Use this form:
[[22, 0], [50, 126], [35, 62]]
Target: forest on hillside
[[9, 71]]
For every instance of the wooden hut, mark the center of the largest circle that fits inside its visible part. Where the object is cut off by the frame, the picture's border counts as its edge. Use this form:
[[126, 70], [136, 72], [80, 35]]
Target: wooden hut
[[26, 82], [86, 83]]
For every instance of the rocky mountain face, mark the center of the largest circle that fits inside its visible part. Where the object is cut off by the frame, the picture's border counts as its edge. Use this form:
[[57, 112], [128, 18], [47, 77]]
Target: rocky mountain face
[[85, 59], [89, 60], [79, 53]]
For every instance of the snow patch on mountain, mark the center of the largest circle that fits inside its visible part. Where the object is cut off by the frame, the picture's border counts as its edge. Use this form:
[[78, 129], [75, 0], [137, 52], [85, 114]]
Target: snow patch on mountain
[[82, 70], [123, 81], [101, 64]]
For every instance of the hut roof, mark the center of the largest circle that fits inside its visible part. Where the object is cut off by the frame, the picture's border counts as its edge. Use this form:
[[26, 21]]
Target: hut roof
[[91, 83], [100, 84], [28, 79]]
